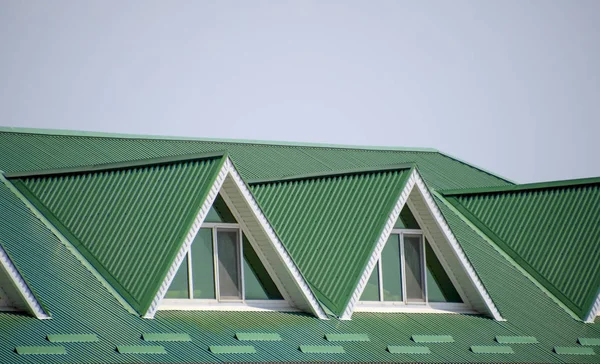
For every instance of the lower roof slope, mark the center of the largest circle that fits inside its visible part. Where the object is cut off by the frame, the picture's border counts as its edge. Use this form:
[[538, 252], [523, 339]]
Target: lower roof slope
[[129, 223], [551, 229], [25, 150], [330, 225], [81, 305]]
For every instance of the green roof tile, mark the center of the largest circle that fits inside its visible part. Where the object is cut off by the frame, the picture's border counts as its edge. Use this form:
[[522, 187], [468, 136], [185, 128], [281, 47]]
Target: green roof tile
[[589, 341], [141, 349], [573, 350], [408, 349], [347, 337], [143, 213], [532, 224], [491, 349], [322, 349], [258, 336], [516, 339], [166, 337], [232, 349], [72, 338], [40, 350], [432, 338]]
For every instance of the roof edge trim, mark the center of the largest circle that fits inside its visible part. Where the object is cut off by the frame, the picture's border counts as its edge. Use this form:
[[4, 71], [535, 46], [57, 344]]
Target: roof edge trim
[[116, 166], [80, 133], [41, 217], [504, 254], [386, 168], [477, 167], [523, 187]]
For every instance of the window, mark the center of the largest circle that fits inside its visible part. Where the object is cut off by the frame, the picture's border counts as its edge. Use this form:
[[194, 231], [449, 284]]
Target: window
[[409, 272], [221, 266]]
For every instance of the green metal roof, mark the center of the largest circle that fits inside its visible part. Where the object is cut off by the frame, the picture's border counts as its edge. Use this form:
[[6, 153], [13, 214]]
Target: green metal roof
[[129, 223], [331, 225], [25, 150], [551, 229]]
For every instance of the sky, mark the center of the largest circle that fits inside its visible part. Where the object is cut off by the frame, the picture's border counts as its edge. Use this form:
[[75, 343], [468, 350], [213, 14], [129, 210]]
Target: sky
[[510, 86]]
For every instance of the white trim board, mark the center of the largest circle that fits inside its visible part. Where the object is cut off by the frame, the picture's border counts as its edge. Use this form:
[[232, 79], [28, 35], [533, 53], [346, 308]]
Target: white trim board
[[395, 307], [24, 297], [261, 236], [594, 311], [442, 241]]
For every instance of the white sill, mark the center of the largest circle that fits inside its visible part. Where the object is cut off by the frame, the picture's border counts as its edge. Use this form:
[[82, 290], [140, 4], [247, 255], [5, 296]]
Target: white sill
[[432, 307], [214, 305]]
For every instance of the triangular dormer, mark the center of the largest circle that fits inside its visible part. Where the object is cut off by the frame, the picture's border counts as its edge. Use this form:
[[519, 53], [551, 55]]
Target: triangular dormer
[[418, 265]]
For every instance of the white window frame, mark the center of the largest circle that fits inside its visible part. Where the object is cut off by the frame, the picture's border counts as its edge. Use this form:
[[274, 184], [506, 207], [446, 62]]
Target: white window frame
[[404, 305], [218, 304]]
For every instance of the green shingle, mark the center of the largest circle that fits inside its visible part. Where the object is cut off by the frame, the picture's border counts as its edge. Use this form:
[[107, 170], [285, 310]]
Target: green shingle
[[40, 350], [258, 336], [532, 223], [589, 341], [573, 350], [141, 349], [232, 349], [347, 337], [322, 349], [516, 339], [432, 338], [408, 349], [72, 338], [491, 349], [166, 337], [128, 223], [345, 213]]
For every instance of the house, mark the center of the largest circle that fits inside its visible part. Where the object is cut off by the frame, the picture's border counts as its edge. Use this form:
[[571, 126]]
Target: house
[[123, 248]]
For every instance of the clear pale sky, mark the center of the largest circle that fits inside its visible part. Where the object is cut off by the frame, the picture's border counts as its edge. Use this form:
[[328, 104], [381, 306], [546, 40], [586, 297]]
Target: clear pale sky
[[511, 86]]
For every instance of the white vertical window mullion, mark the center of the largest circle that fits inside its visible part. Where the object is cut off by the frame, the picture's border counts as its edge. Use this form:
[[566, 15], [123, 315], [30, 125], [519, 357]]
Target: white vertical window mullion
[[380, 273], [241, 260], [403, 268], [424, 270], [188, 256], [216, 264]]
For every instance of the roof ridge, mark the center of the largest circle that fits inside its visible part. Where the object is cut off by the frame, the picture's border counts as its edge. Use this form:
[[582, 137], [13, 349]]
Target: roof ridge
[[523, 187], [117, 165], [339, 173], [95, 134]]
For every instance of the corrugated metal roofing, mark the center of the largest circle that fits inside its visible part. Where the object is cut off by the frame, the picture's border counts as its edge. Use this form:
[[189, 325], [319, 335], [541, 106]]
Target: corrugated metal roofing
[[330, 226], [26, 151], [553, 233], [129, 223]]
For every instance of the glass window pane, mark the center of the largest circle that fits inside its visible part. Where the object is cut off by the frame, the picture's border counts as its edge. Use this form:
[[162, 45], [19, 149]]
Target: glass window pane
[[406, 220], [391, 269], [179, 286], [258, 284], [371, 291], [219, 212], [439, 285], [203, 273], [228, 256], [413, 253]]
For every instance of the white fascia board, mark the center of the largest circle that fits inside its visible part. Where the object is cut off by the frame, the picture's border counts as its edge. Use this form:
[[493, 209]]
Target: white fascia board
[[416, 180], [387, 230], [189, 238], [228, 171], [26, 295], [594, 311], [443, 225], [284, 256]]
